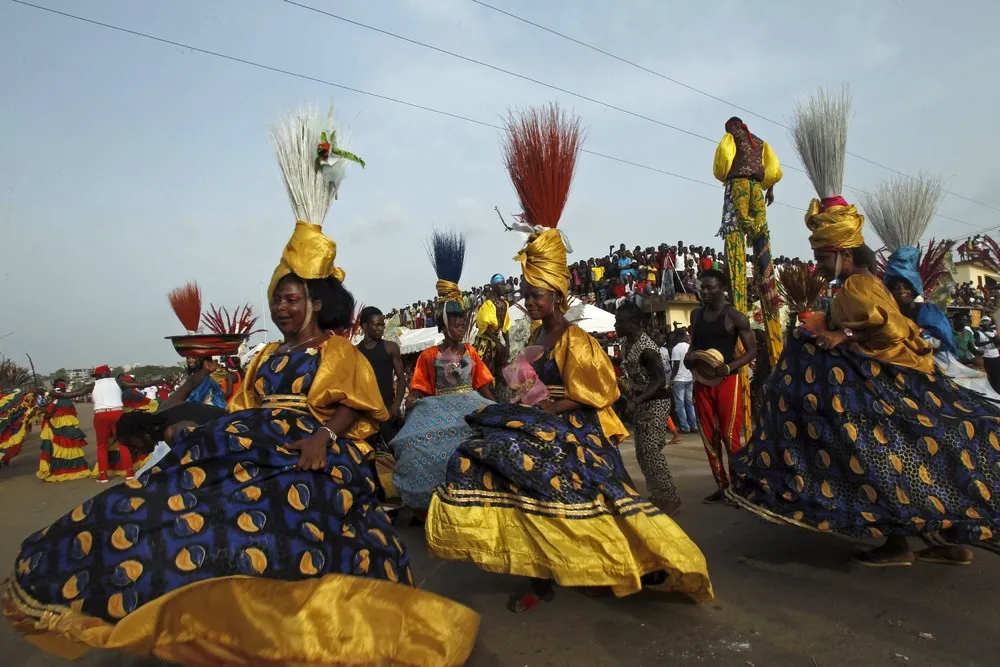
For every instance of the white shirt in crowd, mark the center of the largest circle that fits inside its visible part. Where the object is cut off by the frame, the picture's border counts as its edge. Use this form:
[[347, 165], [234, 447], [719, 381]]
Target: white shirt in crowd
[[984, 343], [677, 354], [107, 394], [149, 392]]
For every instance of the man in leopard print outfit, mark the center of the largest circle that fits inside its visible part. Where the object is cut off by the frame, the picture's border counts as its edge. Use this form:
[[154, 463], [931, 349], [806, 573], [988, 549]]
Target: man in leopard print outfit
[[648, 401]]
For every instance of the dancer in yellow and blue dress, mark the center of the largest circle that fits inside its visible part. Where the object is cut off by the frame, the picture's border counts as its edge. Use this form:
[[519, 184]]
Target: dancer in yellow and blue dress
[[541, 490], [449, 382], [62, 457], [861, 435], [260, 538]]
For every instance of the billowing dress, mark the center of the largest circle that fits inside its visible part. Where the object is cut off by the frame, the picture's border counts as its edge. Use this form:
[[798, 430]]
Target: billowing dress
[[63, 440], [15, 406], [225, 554], [548, 496], [435, 427], [871, 441]]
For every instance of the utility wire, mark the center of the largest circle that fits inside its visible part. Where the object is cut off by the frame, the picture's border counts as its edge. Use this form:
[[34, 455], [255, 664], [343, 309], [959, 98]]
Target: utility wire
[[695, 89], [359, 91], [524, 77]]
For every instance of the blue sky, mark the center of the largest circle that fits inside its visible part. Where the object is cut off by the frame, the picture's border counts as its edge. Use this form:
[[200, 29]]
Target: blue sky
[[130, 166]]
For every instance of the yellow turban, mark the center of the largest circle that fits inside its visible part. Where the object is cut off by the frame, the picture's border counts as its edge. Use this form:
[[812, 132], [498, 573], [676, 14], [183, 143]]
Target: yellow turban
[[309, 254], [448, 291], [836, 227], [543, 263]]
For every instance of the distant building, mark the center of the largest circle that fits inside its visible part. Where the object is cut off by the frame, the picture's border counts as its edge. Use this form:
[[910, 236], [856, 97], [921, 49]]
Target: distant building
[[74, 375]]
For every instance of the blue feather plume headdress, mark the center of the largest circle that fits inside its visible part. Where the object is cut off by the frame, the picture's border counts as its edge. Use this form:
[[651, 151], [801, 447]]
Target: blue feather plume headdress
[[447, 254]]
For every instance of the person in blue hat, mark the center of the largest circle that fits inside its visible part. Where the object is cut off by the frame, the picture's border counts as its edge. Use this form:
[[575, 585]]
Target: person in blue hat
[[493, 337]]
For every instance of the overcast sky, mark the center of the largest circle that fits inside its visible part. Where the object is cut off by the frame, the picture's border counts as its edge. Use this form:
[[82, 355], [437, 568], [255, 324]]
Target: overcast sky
[[130, 166]]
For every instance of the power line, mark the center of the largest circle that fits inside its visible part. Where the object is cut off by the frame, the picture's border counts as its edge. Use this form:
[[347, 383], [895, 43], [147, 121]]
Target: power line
[[560, 89], [359, 91], [495, 68], [306, 77], [695, 89]]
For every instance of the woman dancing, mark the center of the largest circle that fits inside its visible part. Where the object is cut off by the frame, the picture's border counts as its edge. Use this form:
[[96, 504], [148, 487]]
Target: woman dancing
[[541, 491], [900, 210], [861, 436], [449, 382], [62, 457], [260, 539]]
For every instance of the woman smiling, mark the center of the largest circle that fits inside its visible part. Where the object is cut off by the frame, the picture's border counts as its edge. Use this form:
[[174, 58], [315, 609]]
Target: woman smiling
[[260, 537]]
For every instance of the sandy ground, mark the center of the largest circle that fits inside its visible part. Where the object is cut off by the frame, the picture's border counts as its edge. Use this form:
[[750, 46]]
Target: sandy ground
[[785, 597]]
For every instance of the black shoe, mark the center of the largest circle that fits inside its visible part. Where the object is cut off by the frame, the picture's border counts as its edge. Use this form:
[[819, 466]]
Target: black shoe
[[716, 497]]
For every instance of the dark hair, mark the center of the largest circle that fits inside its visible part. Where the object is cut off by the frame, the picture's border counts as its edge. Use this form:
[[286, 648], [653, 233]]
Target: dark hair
[[446, 310], [141, 425], [337, 311], [718, 275], [368, 313], [631, 311], [58, 380], [864, 257]]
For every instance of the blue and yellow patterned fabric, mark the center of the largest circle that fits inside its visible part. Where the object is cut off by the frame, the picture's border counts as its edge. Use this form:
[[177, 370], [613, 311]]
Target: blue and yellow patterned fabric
[[228, 506], [850, 445], [548, 496]]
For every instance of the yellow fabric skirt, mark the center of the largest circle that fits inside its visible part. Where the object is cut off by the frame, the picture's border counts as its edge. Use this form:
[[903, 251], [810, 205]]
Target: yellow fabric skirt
[[235, 621], [595, 548]]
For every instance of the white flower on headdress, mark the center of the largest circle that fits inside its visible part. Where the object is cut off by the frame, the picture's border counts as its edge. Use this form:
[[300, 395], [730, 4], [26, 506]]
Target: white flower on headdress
[[526, 229]]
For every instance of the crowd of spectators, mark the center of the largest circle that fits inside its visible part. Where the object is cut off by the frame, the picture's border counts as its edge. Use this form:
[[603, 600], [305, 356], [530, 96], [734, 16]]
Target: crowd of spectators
[[620, 275]]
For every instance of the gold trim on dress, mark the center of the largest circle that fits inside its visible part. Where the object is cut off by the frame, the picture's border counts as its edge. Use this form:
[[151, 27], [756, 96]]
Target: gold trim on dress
[[466, 497], [296, 402], [556, 391], [460, 389]]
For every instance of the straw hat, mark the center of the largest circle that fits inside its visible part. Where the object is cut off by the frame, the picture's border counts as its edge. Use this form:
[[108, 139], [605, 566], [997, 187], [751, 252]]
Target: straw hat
[[705, 361]]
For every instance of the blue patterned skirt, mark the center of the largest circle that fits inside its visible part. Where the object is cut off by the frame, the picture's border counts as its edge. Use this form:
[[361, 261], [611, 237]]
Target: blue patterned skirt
[[225, 503], [433, 431], [548, 496], [848, 445]]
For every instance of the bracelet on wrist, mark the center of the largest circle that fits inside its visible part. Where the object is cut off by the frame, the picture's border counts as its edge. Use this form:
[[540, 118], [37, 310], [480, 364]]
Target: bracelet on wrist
[[330, 434]]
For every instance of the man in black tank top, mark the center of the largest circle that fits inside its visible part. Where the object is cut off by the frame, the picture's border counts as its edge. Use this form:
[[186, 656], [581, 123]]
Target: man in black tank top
[[387, 363], [718, 397]]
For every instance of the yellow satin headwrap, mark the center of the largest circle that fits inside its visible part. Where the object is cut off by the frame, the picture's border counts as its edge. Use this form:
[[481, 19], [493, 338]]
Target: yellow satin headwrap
[[309, 254], [836, 228], [543, 263], [448, 291]]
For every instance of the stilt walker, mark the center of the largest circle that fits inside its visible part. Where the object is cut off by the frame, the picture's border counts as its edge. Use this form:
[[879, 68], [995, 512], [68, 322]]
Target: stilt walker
[[749, 169]]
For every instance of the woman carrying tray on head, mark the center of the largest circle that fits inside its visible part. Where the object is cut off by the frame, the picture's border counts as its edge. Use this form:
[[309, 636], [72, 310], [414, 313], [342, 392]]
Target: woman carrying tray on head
[[260, 538], [541, 490]]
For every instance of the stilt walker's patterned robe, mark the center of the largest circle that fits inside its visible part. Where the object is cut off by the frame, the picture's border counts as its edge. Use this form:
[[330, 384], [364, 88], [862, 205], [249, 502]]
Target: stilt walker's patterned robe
[[749, 168]]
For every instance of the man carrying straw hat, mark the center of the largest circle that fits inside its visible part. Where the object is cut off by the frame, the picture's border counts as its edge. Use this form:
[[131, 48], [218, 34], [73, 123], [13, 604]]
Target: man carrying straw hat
[[718, 395]]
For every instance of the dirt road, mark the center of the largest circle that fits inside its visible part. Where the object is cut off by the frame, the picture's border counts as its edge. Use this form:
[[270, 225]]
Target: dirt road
[[785, 597]]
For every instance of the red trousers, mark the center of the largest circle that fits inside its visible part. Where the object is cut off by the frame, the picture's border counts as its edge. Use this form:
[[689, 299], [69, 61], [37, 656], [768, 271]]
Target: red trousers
[[720, 414], [105, 424]]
